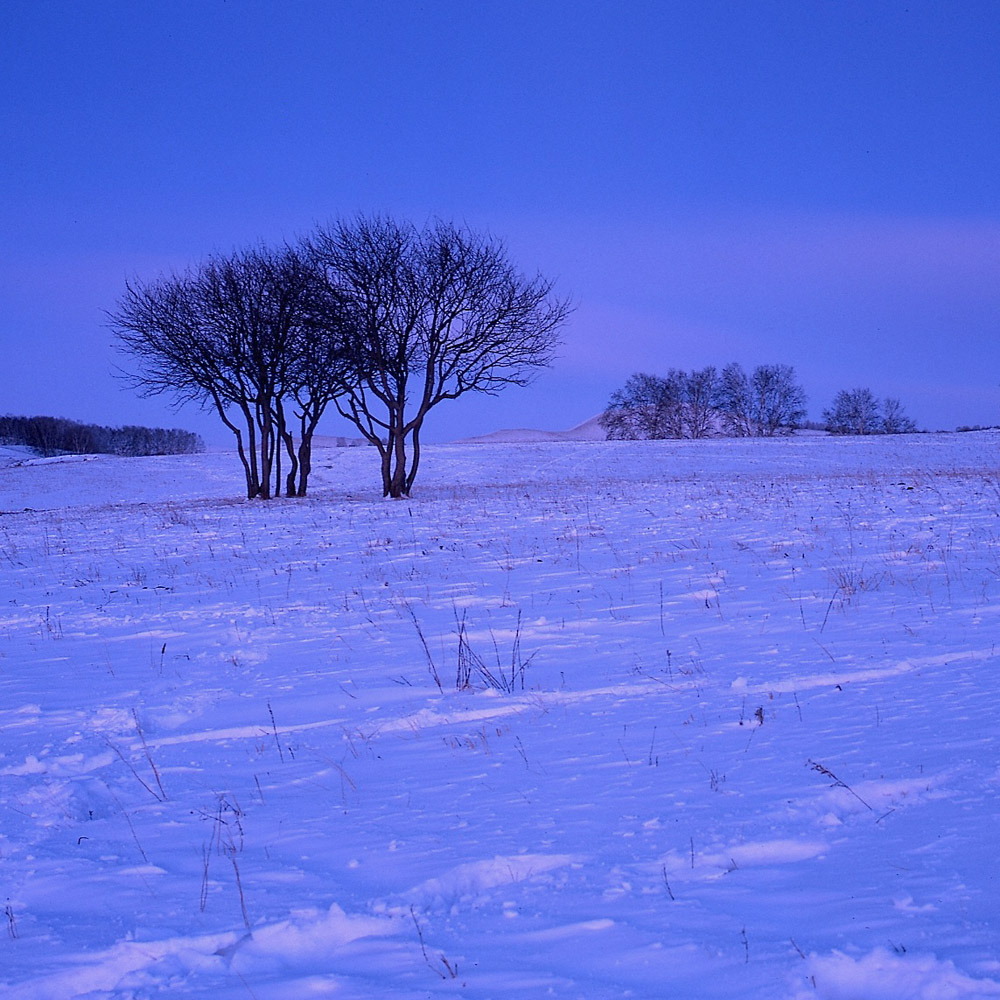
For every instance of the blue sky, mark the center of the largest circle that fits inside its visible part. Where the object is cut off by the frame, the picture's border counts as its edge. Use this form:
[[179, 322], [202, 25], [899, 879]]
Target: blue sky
[[812, 182]]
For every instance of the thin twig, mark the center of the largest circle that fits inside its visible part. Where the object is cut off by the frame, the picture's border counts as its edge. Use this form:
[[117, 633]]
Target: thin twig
[[231, 851], [423, 947], [130, 826], [274, 729], [149, 756], [135, 773], [206, 855], [670, 892], [828, 607], [431, 667], [837, 783]]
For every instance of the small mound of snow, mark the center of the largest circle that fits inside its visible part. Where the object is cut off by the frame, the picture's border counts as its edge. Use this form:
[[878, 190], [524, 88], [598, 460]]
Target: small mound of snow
[[882, 975], [770, 852], [307, 936], [477, 877]]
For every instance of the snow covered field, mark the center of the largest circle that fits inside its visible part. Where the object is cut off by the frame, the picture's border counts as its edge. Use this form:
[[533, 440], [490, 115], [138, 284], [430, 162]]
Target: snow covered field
[[755, 753]]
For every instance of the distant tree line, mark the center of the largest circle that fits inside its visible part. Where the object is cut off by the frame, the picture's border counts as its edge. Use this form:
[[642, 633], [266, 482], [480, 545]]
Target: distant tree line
[[766, 402], [374, 317], [57, 436], [732, 403], [858, 411]]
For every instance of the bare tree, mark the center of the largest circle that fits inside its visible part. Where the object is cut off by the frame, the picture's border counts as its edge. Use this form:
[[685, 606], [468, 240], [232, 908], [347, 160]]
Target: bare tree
[[672, 405], [647, 407], [854, 411], [733, 401], [160, 325], [894, 419], [777, 400], [653, 407], [622, 420], [228, 335], [246, 303], [699, 402], [858, 411], [768, 402], [433, 314]]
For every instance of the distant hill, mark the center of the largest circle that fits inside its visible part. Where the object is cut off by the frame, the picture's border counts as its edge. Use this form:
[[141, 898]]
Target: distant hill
[[589, 430]]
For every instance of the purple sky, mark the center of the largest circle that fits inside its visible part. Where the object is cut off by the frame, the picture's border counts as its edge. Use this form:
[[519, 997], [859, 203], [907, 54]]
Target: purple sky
[[815, 183]]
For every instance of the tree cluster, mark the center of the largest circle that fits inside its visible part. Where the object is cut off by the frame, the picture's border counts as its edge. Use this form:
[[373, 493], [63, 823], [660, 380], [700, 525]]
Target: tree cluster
[[374, 316], [58, 436], [706, 402], [858, 411]]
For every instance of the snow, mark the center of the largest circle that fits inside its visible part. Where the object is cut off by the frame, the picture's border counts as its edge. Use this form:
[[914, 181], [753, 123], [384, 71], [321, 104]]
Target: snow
[[755, 753]]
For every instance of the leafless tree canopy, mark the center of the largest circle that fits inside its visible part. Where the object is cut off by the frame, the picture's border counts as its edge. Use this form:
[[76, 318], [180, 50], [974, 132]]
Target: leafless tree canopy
[[384, 319], [858, 411], [648, 407], [699, 402], [734, 401], [894, 419], [434, 313], [777, 402], [250, 335], [702, 403], [767, 402]]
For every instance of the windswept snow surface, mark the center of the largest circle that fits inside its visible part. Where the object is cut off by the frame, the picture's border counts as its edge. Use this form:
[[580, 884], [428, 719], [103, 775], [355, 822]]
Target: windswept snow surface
[[755, 753]]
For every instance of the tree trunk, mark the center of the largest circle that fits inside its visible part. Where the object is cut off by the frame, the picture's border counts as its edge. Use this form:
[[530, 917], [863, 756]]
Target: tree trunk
[[308, 424], [397, 449], [253, 490], [386, 455], [414, 460], [251, 485], [305, 462], [266, 450], [397, 483], [241, 450], [284, 439], [293, 464], [279, 440]]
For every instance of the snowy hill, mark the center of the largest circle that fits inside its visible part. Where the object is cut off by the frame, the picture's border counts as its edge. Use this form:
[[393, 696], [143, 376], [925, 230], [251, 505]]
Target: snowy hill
[[580, 719], [589, 430]]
